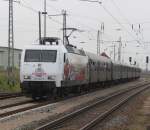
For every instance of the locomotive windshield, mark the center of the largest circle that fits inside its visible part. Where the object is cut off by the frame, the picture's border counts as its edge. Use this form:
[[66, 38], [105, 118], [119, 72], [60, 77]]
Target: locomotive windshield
[[40, 56]]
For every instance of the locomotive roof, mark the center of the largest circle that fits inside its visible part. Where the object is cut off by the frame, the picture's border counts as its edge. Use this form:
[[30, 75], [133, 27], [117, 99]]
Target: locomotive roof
[[118, 63], [44, 47], [73, 49], [94, 57]]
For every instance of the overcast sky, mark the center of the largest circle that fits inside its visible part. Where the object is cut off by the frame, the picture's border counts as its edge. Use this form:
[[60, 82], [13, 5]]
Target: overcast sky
[[117, 15]]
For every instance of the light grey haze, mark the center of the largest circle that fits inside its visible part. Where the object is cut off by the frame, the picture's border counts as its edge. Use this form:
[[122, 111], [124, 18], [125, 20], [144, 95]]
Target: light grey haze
[[88, 17]]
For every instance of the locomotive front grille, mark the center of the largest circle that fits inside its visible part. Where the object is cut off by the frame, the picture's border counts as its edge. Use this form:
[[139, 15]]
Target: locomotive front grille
[[33, 86]]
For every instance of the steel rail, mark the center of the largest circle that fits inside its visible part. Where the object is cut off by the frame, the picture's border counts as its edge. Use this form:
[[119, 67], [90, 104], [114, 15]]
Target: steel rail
[[71, 115], [5, 114], [107, 113], [31, 107], [16, 104], [10, 95]]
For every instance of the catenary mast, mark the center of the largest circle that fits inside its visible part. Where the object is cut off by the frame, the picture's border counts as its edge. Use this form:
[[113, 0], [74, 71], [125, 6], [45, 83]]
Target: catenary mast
[[10, 66]]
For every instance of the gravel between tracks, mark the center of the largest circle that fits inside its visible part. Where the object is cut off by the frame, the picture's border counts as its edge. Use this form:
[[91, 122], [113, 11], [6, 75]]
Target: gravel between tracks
[[32, 118], [134, 115], [87, 116]]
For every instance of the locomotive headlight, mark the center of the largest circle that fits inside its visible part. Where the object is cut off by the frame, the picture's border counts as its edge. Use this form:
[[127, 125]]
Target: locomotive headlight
[[27, 77], [51, 77]]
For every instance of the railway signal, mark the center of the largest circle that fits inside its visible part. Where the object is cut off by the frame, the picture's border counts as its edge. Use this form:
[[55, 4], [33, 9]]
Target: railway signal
[[147, 61], [130, 59]]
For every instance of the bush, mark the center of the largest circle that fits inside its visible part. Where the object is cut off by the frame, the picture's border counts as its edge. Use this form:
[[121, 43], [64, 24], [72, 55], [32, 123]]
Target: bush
[[4, 86]]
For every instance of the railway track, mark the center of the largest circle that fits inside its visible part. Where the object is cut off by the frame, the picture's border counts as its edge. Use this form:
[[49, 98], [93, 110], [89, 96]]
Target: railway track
[[87, 117], [21, 107], [14, 108], [10, 95], [15, 104]]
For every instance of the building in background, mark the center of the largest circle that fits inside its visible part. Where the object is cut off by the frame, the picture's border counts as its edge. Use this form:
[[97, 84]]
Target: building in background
[[4, 57]]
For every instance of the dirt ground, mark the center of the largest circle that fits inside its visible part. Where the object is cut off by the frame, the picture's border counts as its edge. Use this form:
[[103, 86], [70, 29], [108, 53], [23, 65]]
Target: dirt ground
[[141, 121], [139, 117]]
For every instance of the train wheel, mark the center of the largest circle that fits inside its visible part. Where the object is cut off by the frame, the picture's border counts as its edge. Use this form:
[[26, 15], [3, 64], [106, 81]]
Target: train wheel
[[44, 97], [35, 97]]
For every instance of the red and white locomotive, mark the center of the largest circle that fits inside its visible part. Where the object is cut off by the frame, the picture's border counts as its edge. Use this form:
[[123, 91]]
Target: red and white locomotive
[[51, 68]]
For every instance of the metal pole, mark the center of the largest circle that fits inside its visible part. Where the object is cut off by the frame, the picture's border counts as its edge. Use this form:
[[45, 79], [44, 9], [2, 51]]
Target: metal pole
[[98, 42], [146, 67], [102, 32], [10, 44], [8, 67], [39, 27], [100, 37], [45, 18], [119, 50], [114, 52], [13, 65], [64, 27]]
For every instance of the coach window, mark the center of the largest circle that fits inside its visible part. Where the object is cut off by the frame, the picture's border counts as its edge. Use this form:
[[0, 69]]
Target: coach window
[[91, 64], [98, 66], [94, 66], [64, 57], [109, 67], [106, 66]]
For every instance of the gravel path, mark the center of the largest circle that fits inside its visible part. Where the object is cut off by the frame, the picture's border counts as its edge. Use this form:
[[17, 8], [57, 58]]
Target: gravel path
[[35, 117]]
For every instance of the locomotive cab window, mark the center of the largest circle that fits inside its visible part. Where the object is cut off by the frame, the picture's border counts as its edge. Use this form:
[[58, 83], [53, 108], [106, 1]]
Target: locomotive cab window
[[32, 56], [48, 55], [40, 56]]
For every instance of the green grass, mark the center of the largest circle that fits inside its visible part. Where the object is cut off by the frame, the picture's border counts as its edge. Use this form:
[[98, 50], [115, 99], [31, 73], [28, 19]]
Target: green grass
[[5, 87]]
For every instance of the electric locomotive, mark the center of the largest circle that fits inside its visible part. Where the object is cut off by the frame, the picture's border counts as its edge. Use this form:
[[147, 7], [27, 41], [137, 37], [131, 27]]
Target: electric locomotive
[[48, 68], [51, 68]]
